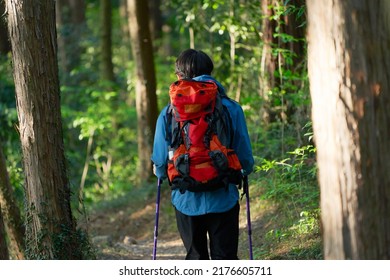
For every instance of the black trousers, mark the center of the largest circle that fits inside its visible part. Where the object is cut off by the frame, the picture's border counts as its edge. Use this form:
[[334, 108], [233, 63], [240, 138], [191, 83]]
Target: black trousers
[[222, 230]]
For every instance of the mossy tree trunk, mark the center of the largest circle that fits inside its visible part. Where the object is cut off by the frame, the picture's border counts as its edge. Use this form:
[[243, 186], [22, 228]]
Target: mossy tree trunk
[[50, 227]]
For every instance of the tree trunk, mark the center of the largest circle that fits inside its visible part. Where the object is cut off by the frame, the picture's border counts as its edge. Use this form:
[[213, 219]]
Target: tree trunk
[[124, 23], [155, 20], [70, 16], [5, 45], [275, 25], [349, 75], [11, 212], [4, 255], [146, 99], [268, 61], [107, 68], [294, 25], [78, 11], [50, 226]]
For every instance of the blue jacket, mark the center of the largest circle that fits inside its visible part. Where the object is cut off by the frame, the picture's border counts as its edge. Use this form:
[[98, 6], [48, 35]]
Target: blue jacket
[[221, 200]]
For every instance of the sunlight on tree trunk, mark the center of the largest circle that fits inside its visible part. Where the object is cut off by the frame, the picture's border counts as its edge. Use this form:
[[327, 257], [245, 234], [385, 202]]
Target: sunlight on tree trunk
[[192, 37], [349, 84], [85, 170]]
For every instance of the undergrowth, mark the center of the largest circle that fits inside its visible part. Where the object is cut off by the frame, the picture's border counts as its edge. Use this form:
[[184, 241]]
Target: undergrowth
[[289, 194]]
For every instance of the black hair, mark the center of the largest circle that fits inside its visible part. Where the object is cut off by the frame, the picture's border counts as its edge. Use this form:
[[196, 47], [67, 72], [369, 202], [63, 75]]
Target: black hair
[[192, 63]]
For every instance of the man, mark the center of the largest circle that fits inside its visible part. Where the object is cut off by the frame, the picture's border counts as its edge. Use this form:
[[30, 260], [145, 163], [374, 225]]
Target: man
[[207, 213]]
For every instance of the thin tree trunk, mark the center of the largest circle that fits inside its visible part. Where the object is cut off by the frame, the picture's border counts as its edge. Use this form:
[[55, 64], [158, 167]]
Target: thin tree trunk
[[50, 226], [349, 71], [155, 19], [107, 67], [78, 11], [268, 61], [192, 37], [70, 16], [146, 99], [124, 23], [85, 171], [11, 212]]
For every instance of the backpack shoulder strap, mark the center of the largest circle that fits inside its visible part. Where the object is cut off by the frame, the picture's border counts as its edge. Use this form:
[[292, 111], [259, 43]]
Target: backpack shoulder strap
[[168, 123], [172, 128], [225, 124]]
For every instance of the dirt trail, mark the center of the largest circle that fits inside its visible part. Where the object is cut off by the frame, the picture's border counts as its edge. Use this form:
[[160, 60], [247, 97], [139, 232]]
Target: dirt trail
[[126, 233]]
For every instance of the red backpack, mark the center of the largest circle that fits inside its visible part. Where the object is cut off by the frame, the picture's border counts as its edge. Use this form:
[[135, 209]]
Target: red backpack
[[200, 136]]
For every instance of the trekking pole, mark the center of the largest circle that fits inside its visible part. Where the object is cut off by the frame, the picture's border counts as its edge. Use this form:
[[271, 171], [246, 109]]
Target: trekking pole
[[159, 181], [248, 216]]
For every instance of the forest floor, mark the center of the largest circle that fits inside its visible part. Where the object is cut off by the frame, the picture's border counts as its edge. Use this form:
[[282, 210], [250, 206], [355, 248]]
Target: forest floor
[[124, 230]]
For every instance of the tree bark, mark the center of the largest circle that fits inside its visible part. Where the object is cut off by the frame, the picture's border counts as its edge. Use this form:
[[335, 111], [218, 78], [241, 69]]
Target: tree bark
[[274, 26], [155, 19], [11, 213], [50, 226], [124, 23], [268, 61], [349, 71], [70, 17], [107, 68], [146, 99]]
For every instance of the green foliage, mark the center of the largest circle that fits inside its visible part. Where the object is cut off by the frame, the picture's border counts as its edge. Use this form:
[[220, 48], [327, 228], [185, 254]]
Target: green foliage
[[102, 113], [108, 123], [9, 137], [8, 115], [228, 32], [67, 243], [291, 185], [82, 247]]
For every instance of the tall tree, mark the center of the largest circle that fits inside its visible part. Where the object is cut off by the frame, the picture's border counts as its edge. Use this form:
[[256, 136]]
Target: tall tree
[[107, 68], [124, 22], [70, 17], [50, 227], [11, 212], [146, 99], [349, 75], [283, 48], [268, 60], [155, 19]]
